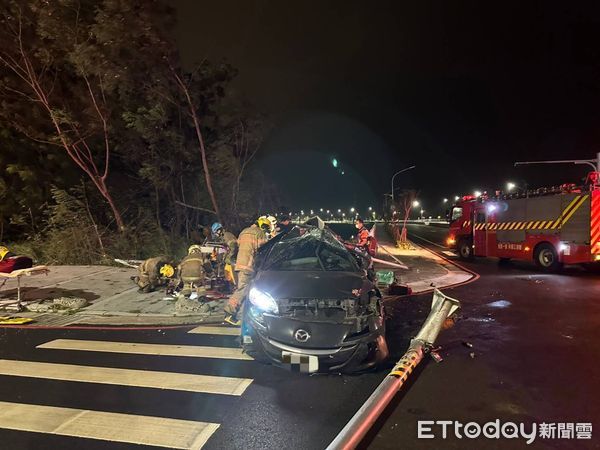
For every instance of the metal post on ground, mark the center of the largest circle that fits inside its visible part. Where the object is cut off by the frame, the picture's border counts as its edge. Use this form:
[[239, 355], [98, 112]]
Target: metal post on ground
[[355, 430]]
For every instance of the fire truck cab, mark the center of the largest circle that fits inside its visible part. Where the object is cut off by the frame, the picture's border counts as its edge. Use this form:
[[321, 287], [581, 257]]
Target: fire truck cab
[[550, 226]]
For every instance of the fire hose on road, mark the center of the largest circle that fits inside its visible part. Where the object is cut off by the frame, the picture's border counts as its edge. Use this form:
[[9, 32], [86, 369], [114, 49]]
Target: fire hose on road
[[355, 430]]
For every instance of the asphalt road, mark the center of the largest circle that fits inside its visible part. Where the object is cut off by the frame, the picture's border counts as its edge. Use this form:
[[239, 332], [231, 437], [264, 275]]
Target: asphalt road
[[533, 339]]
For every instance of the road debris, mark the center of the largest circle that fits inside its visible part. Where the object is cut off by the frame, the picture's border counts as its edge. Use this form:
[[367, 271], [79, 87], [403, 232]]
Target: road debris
[[467, 344]]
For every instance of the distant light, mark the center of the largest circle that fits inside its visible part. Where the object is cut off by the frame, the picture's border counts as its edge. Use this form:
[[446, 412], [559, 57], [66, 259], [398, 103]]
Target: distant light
[[321, 210], [339, 210], [416, 203], [456, 198], [311, 211], [370, 208], [445, 200], [343, 214], [327, 211], [510, 186], [343, 173], [477, 193], [302, 212], [352, 210], [334, 162]]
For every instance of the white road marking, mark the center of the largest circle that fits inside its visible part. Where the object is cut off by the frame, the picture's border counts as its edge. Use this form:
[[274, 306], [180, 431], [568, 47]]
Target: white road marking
[[106, 426], [147, 349], [126, 377], [222, 331], [449, 253]]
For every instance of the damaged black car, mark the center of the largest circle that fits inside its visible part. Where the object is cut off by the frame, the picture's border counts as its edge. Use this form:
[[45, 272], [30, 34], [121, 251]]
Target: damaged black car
[[313, 305]]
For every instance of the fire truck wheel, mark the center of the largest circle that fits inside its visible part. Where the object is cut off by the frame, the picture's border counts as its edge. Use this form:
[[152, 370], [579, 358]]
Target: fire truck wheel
[[545, 257], [465, 249]]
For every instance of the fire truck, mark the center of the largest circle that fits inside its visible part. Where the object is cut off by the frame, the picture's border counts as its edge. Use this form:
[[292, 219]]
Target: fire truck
[[550, 226]]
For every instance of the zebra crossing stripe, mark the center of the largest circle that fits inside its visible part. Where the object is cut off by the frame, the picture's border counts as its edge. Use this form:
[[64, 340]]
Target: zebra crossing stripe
[[106, 426], [126, 377], [221, 331], [147, 349]]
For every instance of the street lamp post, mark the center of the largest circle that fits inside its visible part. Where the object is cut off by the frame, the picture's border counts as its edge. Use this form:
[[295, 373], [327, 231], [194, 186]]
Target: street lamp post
[[394, 176]]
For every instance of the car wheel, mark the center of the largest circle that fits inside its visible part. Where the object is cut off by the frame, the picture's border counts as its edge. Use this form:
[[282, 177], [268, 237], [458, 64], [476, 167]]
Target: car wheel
[[546, 258], [465, 249]]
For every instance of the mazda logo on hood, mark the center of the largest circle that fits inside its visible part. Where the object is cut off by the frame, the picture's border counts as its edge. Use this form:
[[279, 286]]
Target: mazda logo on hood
[[301, 335]]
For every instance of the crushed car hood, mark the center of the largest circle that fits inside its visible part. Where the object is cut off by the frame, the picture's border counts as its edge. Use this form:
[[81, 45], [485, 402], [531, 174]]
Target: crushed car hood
[[297, 284]]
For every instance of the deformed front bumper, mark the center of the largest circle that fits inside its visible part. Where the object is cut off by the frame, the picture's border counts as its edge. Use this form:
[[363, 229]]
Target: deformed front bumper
[[334, 344]]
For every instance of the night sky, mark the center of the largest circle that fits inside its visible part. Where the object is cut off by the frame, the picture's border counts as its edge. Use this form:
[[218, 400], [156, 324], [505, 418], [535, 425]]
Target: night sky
[[461, 89]]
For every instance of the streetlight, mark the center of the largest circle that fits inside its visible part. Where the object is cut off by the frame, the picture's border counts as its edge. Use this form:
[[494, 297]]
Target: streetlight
[[370, 208], [416, 203], [510, 186], [394, 176], [445, 200], [321, 210], [351, 210], [327, 211], [477, 193], [456, 198], [339, 210]]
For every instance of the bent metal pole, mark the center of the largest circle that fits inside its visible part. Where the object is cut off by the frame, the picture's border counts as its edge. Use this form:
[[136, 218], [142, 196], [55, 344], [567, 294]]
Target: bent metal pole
[[358, 426]]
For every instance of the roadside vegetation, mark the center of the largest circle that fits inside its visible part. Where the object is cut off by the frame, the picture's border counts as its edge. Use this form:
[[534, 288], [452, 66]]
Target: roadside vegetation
[[109, 145]]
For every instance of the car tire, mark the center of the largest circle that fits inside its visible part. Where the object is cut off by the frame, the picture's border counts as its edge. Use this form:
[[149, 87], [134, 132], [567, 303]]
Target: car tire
[[546, 257], [465, 249]]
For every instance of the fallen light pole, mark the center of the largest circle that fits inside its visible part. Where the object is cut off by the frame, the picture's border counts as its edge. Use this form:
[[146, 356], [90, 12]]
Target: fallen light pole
[[355, 430]]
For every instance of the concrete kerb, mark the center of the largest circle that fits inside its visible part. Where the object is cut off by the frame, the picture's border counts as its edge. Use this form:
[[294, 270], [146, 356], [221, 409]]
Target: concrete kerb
[[424, 277]]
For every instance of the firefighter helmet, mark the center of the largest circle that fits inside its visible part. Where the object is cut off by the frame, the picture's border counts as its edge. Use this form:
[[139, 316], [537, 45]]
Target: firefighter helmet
[[216, 227], [264, 224], [167, 271], [194, 248], [3, 252]]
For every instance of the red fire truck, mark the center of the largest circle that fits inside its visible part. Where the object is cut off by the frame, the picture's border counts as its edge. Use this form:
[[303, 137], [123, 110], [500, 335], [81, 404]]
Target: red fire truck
[[551, 226]]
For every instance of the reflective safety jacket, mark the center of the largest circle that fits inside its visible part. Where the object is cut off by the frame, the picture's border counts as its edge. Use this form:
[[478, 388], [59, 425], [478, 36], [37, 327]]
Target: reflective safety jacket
[[363, 238], [231, 242], [250, 240], [191, 268]]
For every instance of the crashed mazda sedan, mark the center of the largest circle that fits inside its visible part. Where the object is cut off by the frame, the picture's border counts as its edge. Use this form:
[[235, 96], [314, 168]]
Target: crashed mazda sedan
[[312, 306]]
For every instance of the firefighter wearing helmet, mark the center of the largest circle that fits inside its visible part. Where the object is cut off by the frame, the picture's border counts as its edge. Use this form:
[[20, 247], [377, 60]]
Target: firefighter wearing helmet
[[228, 238], [249, 241], [154, 272], [191, 272]]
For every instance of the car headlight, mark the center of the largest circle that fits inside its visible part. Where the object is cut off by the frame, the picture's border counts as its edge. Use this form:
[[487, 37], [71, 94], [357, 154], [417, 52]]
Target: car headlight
[[263, 301]]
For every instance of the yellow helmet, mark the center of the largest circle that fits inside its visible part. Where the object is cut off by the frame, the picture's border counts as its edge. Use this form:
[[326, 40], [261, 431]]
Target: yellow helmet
[[264, 224], [194, 248], [167, 271], [3, 252]]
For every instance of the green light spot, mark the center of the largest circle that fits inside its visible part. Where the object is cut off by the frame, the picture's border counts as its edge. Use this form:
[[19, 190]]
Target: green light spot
[[334, 162]]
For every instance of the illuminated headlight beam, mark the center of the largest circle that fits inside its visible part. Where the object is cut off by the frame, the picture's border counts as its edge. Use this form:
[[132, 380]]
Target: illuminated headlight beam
[[263, 301]]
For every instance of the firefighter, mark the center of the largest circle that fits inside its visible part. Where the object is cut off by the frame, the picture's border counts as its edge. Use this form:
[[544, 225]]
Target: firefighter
[[228, 238], [363, 236], [250, 240], [191, 272], [154, 272]]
